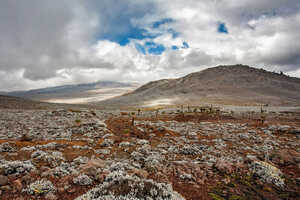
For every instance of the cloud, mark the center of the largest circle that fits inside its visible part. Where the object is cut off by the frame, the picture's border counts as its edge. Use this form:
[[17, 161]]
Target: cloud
[[63, 42]]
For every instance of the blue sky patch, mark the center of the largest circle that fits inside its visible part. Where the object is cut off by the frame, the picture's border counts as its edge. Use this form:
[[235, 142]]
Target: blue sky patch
[[174, 33], [185, 45], [174, 47], [140, 48], [157, 50], [133, 33], [222, 28], [157, 24], [150, 47], [150, 43]]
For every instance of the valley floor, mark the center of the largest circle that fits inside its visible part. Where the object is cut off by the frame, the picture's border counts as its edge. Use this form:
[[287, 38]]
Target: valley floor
[[92, 154]]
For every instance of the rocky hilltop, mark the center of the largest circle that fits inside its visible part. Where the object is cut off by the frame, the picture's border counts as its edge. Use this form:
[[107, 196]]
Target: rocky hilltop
[[234, 84]]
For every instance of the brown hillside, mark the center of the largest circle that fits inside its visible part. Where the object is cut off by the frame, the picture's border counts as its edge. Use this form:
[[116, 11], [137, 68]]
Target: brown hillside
[[234, 84]]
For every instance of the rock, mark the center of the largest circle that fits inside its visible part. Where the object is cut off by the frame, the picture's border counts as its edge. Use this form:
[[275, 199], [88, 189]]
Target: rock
[[251, 158], [6, 147], [139, 172], [17, 167], [112, 188], [137, 156], [298, 181], [91, 171], [27, 179], [107, 142], [103, 151], [5, 188], [40, 187], [81, 160], [71, 190], [286, 157], [295, 131], [161, 129], [51, 196], [283, 128], [26, 138], [267, 173], [83, 180], [125, 144], [252, 131], [142, 142], [186, 177], [17, 184], [224, 166], [3, 180]]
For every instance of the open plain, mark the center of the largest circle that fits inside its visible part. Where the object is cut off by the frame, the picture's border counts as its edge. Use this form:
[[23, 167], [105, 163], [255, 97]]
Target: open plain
[[149, 154]]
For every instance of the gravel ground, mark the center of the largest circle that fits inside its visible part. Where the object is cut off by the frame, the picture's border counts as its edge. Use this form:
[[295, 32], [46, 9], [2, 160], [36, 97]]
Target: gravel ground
[[92, 154]]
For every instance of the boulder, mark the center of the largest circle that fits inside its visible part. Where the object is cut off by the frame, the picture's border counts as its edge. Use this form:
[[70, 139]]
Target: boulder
[[286, 157], [3, 180], [224, 166]]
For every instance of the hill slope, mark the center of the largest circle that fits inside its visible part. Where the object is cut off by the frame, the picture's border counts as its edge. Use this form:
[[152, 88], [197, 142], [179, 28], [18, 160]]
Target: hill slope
[[80, 93], [234, 84], [10, 102]]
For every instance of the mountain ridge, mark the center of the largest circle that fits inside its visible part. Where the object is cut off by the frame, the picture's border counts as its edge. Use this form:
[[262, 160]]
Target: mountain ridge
[[225, 84], [65, 93]]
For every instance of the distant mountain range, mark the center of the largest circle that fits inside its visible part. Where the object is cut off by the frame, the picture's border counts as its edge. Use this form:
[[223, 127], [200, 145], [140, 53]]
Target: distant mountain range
[[234, 84], [86, 92]]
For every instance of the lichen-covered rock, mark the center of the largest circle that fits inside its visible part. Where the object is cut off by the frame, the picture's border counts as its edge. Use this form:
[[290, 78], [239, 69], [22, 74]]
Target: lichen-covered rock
[[6, 147], [53, 158], [103, 151], [82, 180], [267, 173], [65, 169], [81, 160], [3, 180], [119, 185], [224, 166], [40, 187], [142, 142], [125, 144], [16, 167], [107, 142], [137, 156]]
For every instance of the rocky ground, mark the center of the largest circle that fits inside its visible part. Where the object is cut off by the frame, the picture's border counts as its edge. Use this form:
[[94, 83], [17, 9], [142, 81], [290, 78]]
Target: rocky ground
[[95, 155]]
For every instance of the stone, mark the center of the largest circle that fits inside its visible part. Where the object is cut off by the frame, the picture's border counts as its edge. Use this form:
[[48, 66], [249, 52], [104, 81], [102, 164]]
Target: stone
[[295, 131], [283, 128], [267, 173], [51, 196], [5, 188], [286, 157], [117, 180], [17, 184], [3, 180], [224, 166], [40, 187], [6, 147], [139, 172], [83, 180]]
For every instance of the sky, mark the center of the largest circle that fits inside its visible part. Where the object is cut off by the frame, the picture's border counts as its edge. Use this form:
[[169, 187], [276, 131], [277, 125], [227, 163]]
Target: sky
[[57, 42]]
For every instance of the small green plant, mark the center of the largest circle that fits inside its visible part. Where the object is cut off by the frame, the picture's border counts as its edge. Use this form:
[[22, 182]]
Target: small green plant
[[77, 121], [126, 131], [75, 111]]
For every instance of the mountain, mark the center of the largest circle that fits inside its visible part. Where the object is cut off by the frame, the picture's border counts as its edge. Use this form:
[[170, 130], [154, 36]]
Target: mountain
[[233, 84], [80, 93]]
